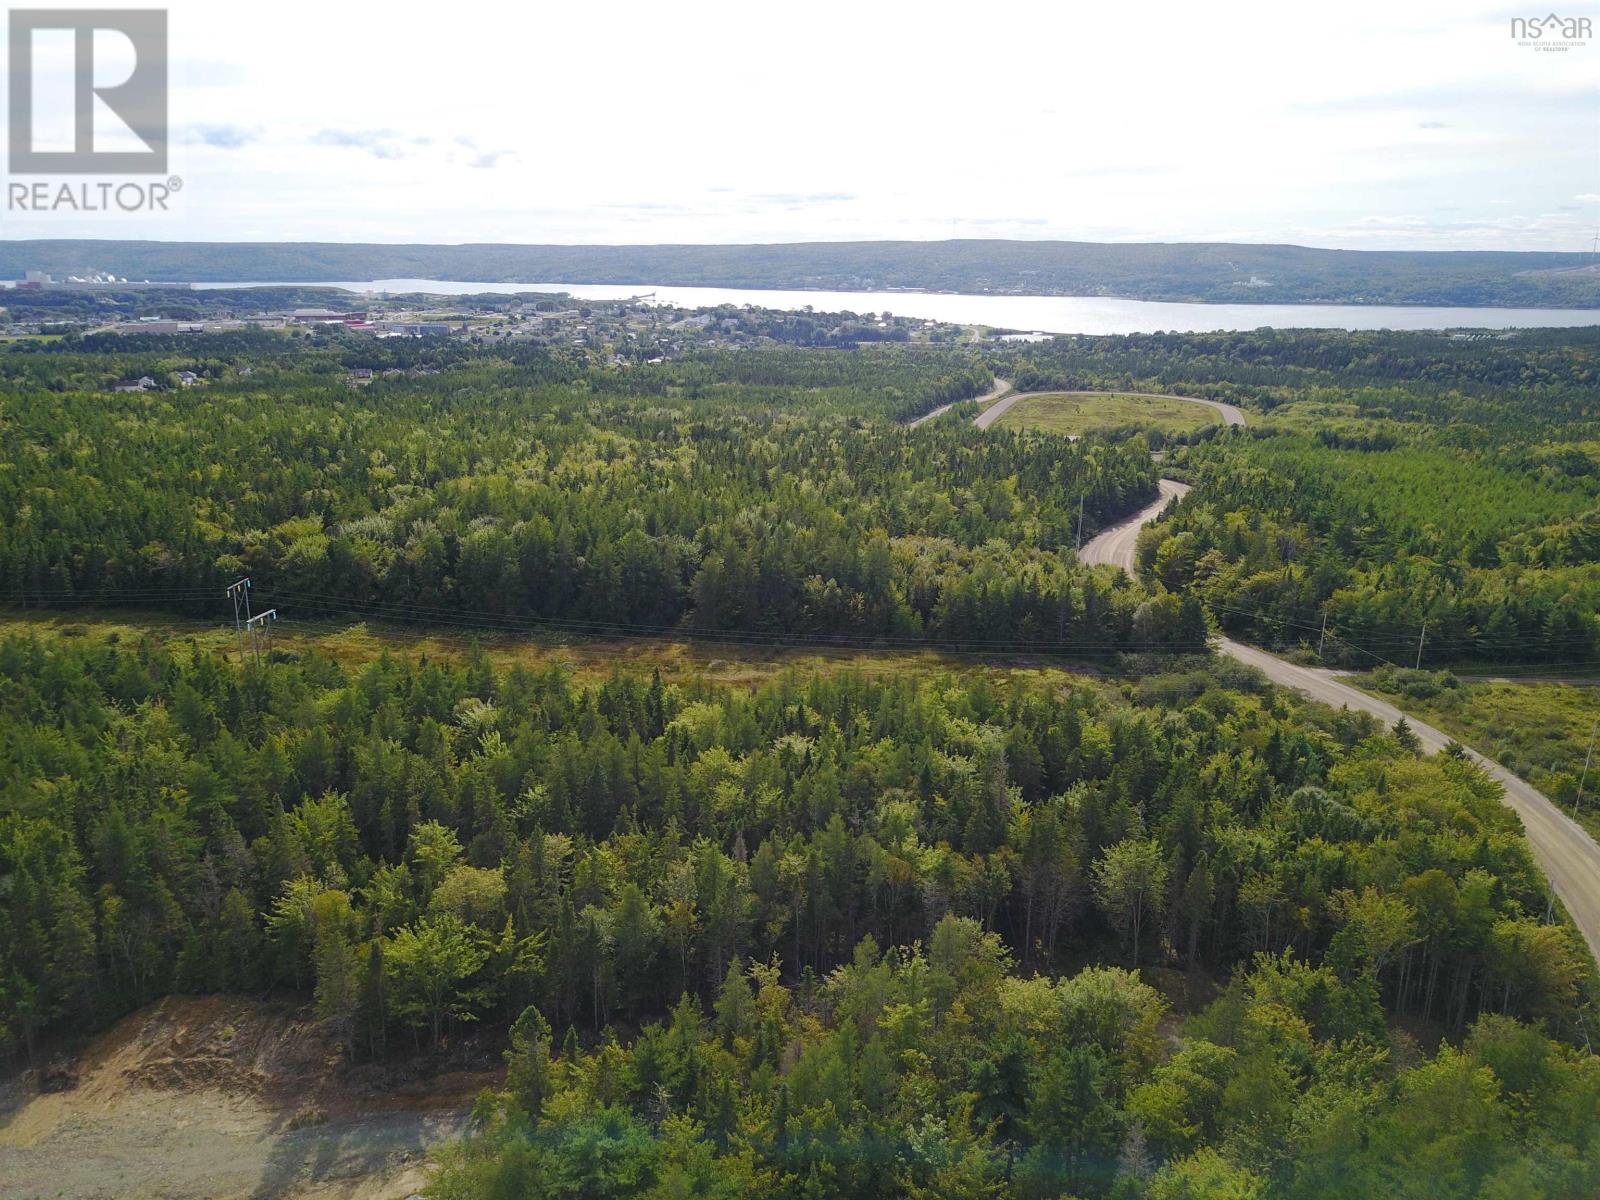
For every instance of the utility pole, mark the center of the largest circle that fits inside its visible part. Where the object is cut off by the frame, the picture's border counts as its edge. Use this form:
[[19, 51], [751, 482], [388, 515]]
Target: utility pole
[[258, 625], [239, 592], [1587, 758], [1420, 638], [1079, 546], [1323, 636]]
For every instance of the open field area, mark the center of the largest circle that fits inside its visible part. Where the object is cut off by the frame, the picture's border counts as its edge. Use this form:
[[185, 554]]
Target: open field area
[[585, 659], [1080, 414]]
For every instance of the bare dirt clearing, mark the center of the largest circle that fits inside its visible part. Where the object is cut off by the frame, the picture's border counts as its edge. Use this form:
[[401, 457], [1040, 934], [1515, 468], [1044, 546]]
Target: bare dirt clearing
[[223, 1097]]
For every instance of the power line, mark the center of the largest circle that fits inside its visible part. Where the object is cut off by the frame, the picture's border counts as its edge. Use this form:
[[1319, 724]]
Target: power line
[[617, 627], [480, 618], [240, 589], [613, 628], [260, 628], [389, 610], [1587, 759]]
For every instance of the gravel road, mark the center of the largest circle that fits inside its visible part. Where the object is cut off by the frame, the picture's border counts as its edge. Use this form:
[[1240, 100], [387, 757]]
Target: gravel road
[[1000, 388], [1115, 546], [1568, 855]]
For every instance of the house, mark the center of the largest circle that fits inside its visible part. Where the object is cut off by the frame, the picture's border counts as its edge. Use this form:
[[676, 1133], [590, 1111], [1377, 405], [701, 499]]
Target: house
[[142, 384], [358, 375], [187, 378]]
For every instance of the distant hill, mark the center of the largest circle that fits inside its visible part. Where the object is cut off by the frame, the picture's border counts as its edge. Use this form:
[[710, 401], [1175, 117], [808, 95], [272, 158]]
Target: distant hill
[[1183, 271]]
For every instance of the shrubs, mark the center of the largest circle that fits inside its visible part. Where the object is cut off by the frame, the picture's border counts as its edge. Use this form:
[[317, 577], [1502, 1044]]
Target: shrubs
[[1414, 684]]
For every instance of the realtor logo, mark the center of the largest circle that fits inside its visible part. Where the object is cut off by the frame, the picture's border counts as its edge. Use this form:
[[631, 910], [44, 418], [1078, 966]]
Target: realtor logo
[[77, 108]]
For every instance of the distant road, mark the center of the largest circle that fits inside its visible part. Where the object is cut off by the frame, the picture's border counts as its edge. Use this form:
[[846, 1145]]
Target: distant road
[[1230, 414], [1000, 388], [1563, 849]]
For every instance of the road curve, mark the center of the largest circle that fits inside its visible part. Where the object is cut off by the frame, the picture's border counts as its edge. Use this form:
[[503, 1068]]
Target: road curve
[[1000, 388], [1568, 855], [1230, 414], [1115, 546], [995, 411]]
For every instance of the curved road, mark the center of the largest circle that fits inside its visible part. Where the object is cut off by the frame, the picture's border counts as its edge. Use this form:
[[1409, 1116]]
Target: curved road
[[1115, 546], [1569, 856], [1563, 849], [1000, 388]]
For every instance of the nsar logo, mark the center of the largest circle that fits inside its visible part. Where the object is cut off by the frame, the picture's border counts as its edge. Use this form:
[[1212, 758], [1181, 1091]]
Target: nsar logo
[[1551, 32]]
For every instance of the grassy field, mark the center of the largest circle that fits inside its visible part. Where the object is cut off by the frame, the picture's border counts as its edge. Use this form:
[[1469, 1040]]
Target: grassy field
[[356, 642], [1087, 414], [1538, 730]]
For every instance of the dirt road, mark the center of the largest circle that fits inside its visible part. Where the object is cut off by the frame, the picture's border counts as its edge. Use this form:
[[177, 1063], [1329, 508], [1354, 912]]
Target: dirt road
[[1115, 546], [1568, 855], [1000, 388], [1230, 414]]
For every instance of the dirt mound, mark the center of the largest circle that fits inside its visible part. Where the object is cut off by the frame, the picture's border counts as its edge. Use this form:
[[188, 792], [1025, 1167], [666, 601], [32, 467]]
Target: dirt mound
[[221, 1096], [222, 1042]]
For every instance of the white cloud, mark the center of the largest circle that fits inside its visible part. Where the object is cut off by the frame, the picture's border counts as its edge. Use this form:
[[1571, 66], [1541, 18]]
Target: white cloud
[[1357, 124]]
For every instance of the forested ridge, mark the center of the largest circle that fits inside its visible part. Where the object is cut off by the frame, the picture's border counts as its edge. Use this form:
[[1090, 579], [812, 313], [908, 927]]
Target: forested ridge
[[822, 936], [1387, 482], [1474, 384], [1165, 935], [761, 493], [1196, 271], [1502, 564]]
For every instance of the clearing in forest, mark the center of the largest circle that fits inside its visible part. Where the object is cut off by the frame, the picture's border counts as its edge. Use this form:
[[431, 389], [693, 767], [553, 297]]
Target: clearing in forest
[[1079, 414]]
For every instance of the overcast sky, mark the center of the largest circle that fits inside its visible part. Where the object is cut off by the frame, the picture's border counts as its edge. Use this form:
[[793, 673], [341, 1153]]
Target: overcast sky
[[1409, 124]]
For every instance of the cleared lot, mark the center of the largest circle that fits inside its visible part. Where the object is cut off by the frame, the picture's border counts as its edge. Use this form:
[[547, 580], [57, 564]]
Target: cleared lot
[[252, 1103], [1077, 414]]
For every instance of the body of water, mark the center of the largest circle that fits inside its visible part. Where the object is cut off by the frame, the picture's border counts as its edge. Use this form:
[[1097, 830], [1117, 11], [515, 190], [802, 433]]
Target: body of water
[[1045, 314]]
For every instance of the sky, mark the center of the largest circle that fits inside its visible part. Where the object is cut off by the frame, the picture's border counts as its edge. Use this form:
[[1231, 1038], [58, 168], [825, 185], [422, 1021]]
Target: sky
[[1406, 124]]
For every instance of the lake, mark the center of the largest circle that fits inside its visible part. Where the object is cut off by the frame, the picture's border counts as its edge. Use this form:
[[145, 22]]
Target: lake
[[1046, 314]]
